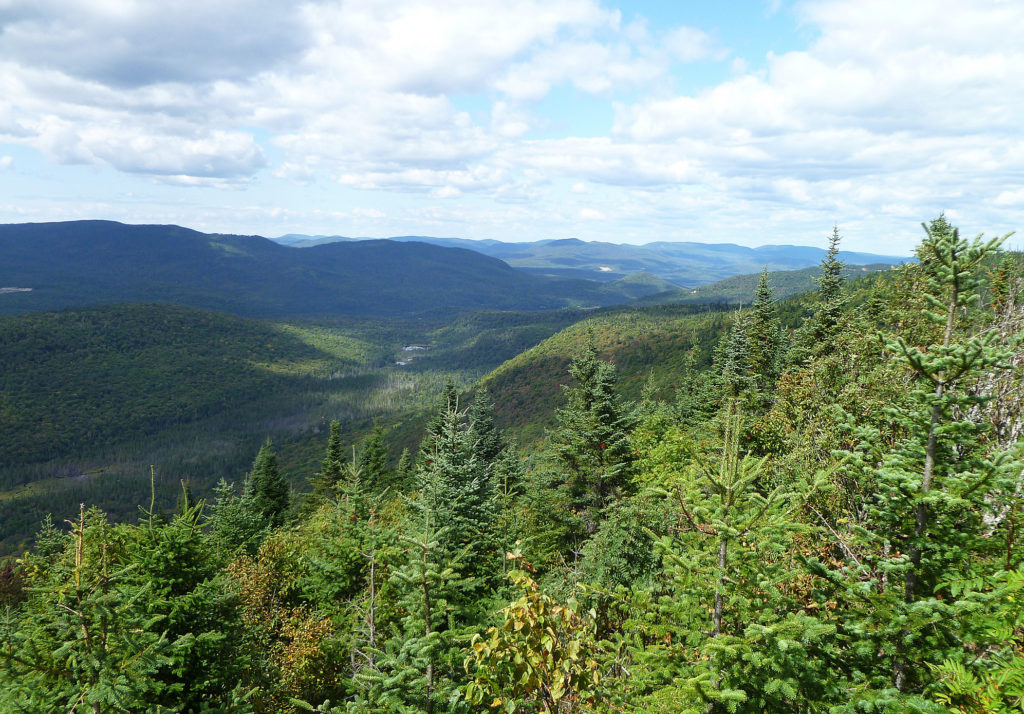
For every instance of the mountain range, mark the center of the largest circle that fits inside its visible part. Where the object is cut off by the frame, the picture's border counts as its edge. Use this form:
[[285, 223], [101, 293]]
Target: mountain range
[[49, 266], [686, 264]]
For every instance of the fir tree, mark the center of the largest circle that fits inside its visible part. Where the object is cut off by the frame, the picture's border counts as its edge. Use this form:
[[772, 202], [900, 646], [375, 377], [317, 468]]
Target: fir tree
[[925, 527], [236, 524], [764, 337], [83, 642], [196, 609], [749, 654], [488, 441], [590, 441], [332, 467], [268, 487], [373, 462], [735, 369]]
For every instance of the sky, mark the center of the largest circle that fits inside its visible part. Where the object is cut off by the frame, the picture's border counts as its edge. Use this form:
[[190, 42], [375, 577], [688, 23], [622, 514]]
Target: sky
[[750, 122]]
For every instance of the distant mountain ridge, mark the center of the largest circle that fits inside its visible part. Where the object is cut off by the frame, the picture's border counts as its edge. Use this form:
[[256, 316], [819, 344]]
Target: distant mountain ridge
[[79, 263], [687, 264]]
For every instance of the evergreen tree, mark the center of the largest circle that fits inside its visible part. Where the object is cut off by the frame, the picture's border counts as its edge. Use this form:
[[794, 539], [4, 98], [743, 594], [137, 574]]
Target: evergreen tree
[[590, 441], [83, 642], [488, 441], [236, 524], [745, 641], [373, 462], [404, 471], [926, 526], [817, 335], [268, 487], [506, 488], [764, 336], [454, 484], [440, 581], [419, 667], [332, 467], [196, 610], [735, 368], [695, 393]]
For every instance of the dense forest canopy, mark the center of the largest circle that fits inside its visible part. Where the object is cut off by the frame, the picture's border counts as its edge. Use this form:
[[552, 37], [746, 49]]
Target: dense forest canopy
[[819, 511]]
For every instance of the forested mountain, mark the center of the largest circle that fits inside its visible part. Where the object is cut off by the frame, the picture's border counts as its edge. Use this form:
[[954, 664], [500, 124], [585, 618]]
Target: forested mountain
[[687, 264], [741, 289], [90, 399], [806, 505], [81, 263]]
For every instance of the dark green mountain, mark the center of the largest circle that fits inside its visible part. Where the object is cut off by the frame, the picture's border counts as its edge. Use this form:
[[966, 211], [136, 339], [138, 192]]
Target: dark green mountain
[[82, 263]]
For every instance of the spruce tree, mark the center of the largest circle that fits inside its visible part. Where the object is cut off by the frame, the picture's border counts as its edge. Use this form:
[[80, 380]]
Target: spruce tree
[[404, 471], [456, 486], [695, 394], [817, 335], [326, 482], [590, 441], [488, 441], [440, 580], [83, 641], [735, 365], [925, 527], [764, 337], [373, 462], [830, 289], [268, 487]]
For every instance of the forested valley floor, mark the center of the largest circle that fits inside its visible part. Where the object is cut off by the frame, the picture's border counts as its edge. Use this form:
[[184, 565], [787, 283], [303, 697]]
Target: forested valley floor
[[809, 505]]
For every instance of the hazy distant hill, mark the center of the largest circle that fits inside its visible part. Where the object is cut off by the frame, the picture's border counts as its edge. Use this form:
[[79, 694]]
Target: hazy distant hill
[[741, 289], [686, 264], [80, 263]]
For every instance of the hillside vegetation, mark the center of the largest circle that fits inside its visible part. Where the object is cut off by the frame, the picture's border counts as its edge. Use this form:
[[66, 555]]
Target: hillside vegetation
[[809, 505], [80, 263]]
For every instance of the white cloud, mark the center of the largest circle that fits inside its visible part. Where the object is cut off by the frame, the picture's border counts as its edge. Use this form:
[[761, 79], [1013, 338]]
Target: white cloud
[[5, 162], [891, 113], [689, 44]]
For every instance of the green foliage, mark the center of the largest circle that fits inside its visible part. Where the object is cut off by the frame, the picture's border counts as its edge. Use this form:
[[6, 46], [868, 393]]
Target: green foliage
[[373, 462], [816, 336], [416, 667], [764, 336], [836, 532], [83, 640], [925, 523], [996, 684], [590, 443], [734, 360], [731, 567], [267, 487], [540, 659], [332, 469]]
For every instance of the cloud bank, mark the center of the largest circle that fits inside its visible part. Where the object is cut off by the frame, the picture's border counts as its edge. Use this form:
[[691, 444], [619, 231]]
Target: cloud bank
[[532, 119]]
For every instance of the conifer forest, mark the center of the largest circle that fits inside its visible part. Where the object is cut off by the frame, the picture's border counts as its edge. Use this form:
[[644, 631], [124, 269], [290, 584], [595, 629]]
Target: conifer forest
[[813, 504]]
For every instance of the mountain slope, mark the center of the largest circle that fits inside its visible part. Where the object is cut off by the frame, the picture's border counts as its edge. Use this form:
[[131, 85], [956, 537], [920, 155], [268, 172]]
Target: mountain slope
[[82, 263], [741, 289]]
